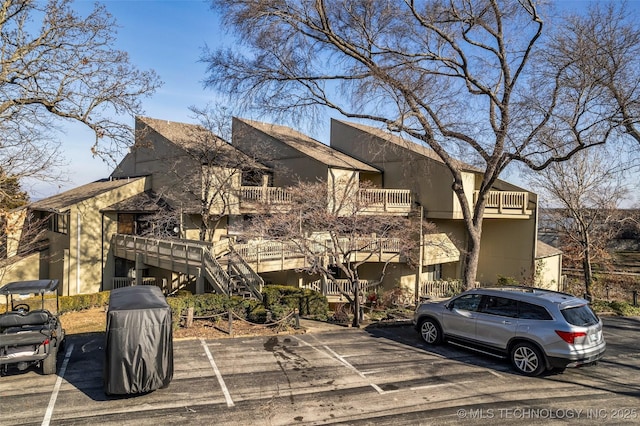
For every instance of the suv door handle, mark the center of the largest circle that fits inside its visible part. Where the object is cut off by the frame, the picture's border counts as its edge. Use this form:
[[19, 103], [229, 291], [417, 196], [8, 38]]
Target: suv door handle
[[506, 322]]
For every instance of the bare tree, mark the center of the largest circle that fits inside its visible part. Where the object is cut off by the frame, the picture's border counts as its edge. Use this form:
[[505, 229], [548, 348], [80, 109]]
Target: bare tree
[[11, 194], [333, 230], [605, 44], [210, 190], [56, 66], [586, 192], [481, 77]]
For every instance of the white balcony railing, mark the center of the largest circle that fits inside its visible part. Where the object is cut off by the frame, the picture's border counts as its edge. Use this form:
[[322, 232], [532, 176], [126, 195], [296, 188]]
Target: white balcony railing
[[371, 200], [378, 200], [271, 250], [506, 201], [340, 286], [264, 195]]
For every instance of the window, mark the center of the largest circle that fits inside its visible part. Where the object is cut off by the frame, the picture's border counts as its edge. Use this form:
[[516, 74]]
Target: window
[[532, 312], [126, 224], [59, 222], [581, 316], [468, 302], [502, 306]]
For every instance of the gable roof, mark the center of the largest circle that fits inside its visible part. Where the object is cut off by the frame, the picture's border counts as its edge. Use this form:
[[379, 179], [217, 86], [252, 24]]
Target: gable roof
[[64, 200], [545, 250], [310, 147], [405, 143], [199, 142]]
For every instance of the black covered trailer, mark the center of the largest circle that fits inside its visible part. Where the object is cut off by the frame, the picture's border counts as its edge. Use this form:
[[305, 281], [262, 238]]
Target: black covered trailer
[[138, 342]]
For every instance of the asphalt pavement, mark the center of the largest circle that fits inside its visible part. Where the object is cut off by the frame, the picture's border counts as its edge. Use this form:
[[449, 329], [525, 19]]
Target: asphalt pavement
[[332, 375]]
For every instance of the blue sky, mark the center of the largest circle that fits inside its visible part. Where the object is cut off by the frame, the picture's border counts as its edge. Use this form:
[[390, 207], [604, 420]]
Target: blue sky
[[166, 36]]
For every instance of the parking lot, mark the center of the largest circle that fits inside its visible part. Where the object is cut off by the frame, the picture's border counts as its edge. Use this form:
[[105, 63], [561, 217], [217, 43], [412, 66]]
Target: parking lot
[[339, 375]]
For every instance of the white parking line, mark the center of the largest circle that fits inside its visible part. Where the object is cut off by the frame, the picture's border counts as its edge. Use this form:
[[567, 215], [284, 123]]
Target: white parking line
[[333, 355], [56, 388], [225, 391]]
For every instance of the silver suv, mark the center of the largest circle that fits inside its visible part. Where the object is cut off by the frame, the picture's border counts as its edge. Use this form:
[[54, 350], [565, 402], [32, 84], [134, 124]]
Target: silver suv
[[537, 329]]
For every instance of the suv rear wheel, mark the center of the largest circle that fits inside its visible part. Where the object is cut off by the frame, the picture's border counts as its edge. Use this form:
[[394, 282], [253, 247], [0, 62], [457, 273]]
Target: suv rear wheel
[[527, 359], [430, 331]]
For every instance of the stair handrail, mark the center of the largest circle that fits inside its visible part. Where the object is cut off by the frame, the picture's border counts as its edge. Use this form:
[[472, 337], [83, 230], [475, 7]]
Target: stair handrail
[[217, 276], [250, 278]]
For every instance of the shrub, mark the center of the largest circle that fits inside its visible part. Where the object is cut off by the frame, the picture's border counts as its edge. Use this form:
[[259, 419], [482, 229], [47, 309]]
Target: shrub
[[507, 281], [618, 308], [80, 302], [282, 299]]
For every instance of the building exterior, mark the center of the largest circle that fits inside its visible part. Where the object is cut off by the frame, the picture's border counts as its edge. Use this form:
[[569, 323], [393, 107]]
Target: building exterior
[[171, 213]]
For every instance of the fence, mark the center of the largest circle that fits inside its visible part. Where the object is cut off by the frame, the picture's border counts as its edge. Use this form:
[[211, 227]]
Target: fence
[[119, 282], [338, 287], [440, 288]]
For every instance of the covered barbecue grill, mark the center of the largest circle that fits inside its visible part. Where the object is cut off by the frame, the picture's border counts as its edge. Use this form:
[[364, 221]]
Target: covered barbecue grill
[[139, 341]]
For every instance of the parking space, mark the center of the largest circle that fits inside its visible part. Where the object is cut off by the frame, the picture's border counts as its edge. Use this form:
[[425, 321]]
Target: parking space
[[383, 375]]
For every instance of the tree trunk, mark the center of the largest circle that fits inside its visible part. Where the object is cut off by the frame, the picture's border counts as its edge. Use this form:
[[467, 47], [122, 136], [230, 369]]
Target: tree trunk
[[587, 272], [471, 259], [356, 303]]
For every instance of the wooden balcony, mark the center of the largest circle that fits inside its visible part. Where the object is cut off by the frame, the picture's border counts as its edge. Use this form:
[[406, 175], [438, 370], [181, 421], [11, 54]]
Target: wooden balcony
[[264, 195], [334, 290], [385, 201], [372, 201], [269, 256], [506, 204]]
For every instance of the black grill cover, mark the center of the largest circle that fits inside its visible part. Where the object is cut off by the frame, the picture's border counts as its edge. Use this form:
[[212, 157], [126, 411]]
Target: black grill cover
[[138, 342]]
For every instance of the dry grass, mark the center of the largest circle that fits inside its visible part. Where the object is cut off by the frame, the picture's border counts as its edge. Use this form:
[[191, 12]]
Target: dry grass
[[86, 321], [94, 320]]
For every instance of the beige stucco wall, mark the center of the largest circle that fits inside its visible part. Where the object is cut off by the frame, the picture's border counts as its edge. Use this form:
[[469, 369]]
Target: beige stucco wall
[[507, 250], [175, 174], [548, 272], [21, 270], [343, 186], [508, 245], [430, 181], [290, 165], [13, 226], [88, 241], [224, 184]]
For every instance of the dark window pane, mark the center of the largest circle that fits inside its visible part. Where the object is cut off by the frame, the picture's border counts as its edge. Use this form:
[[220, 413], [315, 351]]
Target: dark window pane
[[500, 306], [533, 312], [581, 316], [468, 302]]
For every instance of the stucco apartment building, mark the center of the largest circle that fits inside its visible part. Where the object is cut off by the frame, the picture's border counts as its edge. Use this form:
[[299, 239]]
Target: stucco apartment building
[[178, 175]]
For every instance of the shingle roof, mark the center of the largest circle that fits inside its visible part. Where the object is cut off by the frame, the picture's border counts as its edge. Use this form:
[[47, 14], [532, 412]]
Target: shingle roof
[[310, 147], [405, 143], [196, 139], [73, 196], [147, 202], [545, 250]]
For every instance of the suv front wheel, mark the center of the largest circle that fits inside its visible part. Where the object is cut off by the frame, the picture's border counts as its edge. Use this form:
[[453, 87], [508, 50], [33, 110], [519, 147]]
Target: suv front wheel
[[527, 359], [430, 331]]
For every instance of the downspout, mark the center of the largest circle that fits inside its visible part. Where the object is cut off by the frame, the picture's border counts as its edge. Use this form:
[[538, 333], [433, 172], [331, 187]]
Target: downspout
[[421, 258], [535, 239], [79, 228]]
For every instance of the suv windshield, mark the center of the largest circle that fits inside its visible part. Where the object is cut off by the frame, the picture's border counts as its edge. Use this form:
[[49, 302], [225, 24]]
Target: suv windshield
[[581, 316]]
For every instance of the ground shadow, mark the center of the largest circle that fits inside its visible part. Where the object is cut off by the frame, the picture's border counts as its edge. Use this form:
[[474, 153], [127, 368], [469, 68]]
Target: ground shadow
[[620, 355]]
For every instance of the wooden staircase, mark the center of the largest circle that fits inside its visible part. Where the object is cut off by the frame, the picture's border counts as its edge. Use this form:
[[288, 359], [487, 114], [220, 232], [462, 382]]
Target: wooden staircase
[[223, 269]]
